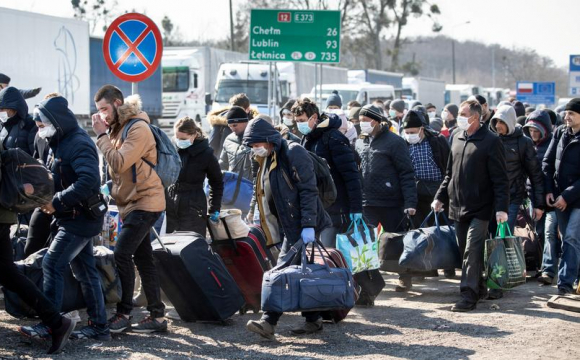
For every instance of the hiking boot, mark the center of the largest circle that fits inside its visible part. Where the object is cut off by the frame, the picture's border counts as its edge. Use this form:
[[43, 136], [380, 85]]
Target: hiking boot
[[73, 315], [405, 284], [449, 274], [463, 306], [93, 332], [545, 279], [262, 328], [39, 331], [119, 323], [494, 294], [308, 328], [61, 335], [150, 325]]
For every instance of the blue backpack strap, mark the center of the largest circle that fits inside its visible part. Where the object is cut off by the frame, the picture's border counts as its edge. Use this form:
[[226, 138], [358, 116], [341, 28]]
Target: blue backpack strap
[[123, 137]]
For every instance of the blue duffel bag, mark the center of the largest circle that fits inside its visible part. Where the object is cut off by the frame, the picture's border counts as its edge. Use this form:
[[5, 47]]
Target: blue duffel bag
[[238, 192], [431, 248], [291, 287]]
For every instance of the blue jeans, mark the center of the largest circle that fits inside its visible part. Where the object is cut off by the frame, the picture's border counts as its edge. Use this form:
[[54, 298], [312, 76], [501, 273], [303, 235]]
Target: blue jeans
[[569, 223], [65, 249], [513, 216], [552, 245]]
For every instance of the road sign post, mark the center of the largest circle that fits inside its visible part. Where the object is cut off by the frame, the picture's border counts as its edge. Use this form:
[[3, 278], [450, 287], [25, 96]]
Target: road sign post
[[536, 92], [574, 73], [133, 48]]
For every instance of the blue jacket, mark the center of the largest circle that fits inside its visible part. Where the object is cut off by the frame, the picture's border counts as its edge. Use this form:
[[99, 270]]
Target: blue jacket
[[292, 182], [330, 144], [75, 169], [21, 129]]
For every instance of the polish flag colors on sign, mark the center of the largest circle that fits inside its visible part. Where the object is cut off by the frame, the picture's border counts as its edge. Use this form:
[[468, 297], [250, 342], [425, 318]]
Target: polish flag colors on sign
[[525, 88]]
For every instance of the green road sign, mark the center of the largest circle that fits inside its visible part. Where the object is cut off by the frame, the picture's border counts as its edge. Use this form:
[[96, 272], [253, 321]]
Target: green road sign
[[295, 35]]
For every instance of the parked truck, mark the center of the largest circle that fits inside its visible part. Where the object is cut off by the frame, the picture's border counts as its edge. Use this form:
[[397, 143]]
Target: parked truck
[[376, 77], [48, 52], [458, 93], [425, 90], [298, 78]]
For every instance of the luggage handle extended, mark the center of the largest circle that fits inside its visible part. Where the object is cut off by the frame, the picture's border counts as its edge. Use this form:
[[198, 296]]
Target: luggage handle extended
[[228, 233], [159, 239]]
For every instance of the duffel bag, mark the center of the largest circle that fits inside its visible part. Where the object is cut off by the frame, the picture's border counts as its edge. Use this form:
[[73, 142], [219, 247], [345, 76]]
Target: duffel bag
[[238, 191], [230, 226]]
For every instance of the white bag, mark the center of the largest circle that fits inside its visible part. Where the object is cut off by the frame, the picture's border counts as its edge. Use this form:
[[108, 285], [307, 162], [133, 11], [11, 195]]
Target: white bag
[[237, 227]]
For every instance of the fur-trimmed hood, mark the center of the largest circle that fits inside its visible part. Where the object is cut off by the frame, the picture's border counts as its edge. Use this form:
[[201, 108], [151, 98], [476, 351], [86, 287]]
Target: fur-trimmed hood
[[131, 109], [218, 117]]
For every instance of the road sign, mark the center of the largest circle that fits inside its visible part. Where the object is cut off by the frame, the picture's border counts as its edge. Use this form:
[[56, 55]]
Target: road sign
[[536, 92], [574, 87], [295, 35], [132, 47]]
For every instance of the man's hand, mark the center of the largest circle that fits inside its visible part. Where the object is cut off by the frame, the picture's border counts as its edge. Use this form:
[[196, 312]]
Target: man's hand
[[48, 209], [437, 206], [250, 218], [410, 211], [99, 125], [550, 199], [501, 217], [560, 203], [538, 213]]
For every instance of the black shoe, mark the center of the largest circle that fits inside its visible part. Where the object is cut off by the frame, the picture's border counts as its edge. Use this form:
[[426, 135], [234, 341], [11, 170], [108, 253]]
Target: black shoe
[[150, 325], [61, 335], [564, 291], [494, 294], [545, 279], [119, 323], [93, 332], [463, 306], [449, 274], [405, 284]]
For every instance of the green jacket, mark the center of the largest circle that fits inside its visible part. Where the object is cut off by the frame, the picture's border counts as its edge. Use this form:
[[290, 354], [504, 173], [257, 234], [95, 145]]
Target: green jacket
[[6, 216]]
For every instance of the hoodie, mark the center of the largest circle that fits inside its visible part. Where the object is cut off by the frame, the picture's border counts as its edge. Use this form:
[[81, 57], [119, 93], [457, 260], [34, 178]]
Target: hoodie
[[541, 121], [19, 131], [75, 169], [220, 129], [507, 114]]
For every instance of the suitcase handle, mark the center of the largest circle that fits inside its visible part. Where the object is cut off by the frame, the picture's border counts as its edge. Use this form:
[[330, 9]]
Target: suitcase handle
[[230, 239], [159, 239]]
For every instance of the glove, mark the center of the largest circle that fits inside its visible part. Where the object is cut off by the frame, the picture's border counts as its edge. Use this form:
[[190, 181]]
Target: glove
[[215, 216], [356, 216], [308, 235]]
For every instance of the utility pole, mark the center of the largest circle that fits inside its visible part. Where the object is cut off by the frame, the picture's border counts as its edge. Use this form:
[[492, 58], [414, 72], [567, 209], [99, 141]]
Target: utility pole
[[493, 66], [453, 58], [231, 27]]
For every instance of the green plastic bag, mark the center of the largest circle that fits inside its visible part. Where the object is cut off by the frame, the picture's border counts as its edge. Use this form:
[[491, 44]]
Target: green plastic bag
[[505, 263]]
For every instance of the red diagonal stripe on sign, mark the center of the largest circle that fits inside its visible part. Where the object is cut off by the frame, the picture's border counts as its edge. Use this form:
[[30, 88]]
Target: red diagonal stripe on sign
[[132, 46]]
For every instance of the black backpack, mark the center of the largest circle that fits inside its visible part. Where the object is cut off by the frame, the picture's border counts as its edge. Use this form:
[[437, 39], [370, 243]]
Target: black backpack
[[26, 183]]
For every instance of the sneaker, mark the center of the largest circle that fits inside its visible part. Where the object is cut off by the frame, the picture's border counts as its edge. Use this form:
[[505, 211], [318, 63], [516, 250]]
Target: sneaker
[[404, 285], [564, 291], [463, 306], [39, 331], [73, 315], [173, 315], [93, 332], [449, 274], [119, 323], [494, 294], [61, 335], [150, 325], [262, 328], [545, 279], [308, 328]]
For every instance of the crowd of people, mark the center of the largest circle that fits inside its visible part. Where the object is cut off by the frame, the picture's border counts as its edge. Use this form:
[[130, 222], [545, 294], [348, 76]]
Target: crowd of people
[[389, 162]]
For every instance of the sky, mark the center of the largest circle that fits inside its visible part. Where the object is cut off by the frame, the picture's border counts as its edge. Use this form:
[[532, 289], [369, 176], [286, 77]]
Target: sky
[[551, 27]]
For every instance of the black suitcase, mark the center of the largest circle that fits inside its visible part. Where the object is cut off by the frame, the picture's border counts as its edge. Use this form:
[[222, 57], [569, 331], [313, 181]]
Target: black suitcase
[[195, 279], [371, 283]]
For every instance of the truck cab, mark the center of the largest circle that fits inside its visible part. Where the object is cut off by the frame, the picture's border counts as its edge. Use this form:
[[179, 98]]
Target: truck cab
[[182, 91]]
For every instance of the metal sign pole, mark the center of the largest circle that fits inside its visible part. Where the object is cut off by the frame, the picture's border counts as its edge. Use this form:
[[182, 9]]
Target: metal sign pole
[[270, 89], [134, 88], [321, 83], [316, 83]]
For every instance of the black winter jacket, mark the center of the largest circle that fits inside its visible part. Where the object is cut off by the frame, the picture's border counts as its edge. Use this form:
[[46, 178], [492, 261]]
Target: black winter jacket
[[75, 169], [561, 166], [476, 176], [186, 199], [388, 177], [20, 129], [330, 144], [522, 163], [439, 147]]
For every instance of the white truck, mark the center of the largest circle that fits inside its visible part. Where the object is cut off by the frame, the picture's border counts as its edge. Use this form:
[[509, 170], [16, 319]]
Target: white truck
[[458, 93], [298, 78], [425, 90], [189, 77], [48, 52], [364, 93]]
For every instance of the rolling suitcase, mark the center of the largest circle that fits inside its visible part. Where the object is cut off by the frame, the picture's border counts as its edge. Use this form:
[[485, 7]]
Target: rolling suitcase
[[246, 259], [195, 279]]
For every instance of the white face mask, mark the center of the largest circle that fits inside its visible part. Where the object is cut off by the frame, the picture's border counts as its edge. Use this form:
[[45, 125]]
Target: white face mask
[[444, 115], [463, 122], [412, 138], [366, 127], [260, 151], [288, 121], [47, 131], [431, 114], [3, 116]]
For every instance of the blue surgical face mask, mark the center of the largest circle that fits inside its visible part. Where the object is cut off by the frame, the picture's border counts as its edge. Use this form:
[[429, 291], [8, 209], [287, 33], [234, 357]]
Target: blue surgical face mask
[[304, 128], [392, 113], [182, 144]]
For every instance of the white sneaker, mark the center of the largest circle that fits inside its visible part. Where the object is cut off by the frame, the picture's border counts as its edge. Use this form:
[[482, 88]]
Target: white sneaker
[[73, 315], [173, 315]]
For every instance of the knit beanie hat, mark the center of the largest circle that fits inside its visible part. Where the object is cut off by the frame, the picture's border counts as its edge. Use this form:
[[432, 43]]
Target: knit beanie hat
[[519, 108], [372, 112], [4, 79], [398, 105], [413, 119], [236, 115], [334, 100], [573, 105], [452, 109]]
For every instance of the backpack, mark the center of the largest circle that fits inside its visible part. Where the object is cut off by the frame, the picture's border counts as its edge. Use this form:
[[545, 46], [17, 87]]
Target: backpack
[[168, 160], [26, 183]]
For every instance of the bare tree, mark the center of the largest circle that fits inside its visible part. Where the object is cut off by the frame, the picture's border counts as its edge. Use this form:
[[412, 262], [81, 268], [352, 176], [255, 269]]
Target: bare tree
[[96, 12]]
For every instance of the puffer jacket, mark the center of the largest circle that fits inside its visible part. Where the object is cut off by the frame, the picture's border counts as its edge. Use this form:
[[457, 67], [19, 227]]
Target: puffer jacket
[[220, 129], [292, 181], [147, 193], [75, 169], [561, 166], [19, 131], [388, 177], [330, 144], [236, 157]]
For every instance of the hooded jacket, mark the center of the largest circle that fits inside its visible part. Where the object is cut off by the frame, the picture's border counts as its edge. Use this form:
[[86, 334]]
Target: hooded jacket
[[521, 159], [292, 182], [326, 141], [236, 157], [476, 176], [561, 166], [19, 131], [220, 129], [540, 120], [75, 169], [388, 177], [147, 193]]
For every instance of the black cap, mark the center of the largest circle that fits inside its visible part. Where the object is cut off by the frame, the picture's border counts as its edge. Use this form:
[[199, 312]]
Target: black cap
[[573, 105], [413, 119], [481, 100], [236, 115], [4, 79], [372, 112], [430, 106]]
